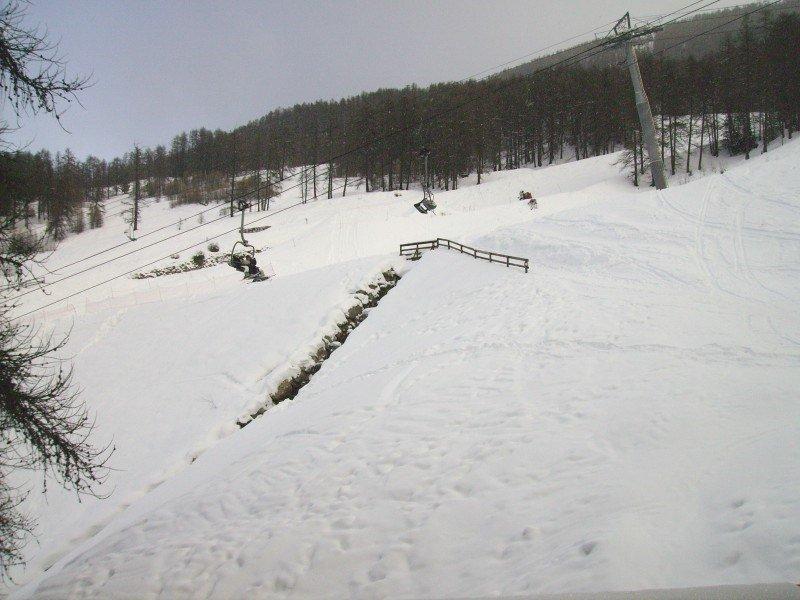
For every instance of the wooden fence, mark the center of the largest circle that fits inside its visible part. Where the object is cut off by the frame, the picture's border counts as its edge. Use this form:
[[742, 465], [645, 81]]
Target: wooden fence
[[413, 249]]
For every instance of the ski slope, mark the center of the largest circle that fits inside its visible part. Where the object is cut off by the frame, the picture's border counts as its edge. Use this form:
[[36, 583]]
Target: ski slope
[[625, 416], [319, 233], [167, 365], [166, 380]]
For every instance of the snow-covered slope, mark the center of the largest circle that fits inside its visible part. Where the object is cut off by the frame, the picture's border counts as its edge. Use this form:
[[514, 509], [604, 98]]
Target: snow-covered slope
[[166, 380], [168, 364], [624, 416], [319, 233]]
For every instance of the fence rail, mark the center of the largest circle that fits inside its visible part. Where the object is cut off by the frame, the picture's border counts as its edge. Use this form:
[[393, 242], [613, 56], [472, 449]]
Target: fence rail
[[414, 249]]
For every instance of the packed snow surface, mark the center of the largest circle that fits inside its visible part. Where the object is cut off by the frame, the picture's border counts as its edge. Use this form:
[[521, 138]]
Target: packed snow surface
[[167, 380], [624, 416]]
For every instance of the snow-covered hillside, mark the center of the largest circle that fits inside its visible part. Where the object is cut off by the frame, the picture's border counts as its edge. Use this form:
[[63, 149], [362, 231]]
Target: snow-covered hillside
[[316, 234], [624, 416]]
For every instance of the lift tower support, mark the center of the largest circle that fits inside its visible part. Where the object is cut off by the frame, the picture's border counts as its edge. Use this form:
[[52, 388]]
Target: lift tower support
[[624, 35]]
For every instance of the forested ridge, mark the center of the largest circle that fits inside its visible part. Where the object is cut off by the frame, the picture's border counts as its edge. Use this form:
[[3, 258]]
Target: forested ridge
[[689, 32], [733, 97]]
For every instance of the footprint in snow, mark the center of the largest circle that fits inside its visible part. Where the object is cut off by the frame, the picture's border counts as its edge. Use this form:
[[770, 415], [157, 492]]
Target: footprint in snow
[[588, 548]]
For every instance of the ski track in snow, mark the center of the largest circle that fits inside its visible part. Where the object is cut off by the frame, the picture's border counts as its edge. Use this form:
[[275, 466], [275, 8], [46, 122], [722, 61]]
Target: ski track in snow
[[624, 416]]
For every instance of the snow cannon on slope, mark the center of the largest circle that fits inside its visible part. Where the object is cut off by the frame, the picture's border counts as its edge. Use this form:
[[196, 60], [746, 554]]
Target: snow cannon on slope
[[523, 195]]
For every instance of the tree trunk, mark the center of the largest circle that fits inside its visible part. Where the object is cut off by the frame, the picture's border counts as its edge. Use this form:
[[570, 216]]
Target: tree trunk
[[258, 189], [366, 171], [748, 130], [673, 142], [689, 145], [540, 143], [702, 131], [641, 156], [136, 190], [314, 174], [402, 171]]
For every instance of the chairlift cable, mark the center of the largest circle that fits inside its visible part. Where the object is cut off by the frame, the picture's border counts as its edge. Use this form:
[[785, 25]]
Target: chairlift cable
[[98, 284], [603, 46]]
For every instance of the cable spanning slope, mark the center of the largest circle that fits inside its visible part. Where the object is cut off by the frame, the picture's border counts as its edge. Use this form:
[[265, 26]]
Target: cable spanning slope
[[602, 46], [626, 418], [258, 219], [318, 233]]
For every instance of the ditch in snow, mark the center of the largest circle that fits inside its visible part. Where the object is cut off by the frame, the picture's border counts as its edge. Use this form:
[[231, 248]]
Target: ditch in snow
[[290, 387]]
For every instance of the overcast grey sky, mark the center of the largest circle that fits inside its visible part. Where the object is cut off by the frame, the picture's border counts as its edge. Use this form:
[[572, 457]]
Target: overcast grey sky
[[163, 67]]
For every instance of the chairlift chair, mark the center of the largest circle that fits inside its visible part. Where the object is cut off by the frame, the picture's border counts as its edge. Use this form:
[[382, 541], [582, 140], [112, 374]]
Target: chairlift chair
[[427, 204], [245, 259], [427, 199]]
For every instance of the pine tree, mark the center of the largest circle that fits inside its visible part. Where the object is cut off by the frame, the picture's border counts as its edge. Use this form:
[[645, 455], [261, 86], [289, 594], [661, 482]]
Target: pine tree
[[95, 215]]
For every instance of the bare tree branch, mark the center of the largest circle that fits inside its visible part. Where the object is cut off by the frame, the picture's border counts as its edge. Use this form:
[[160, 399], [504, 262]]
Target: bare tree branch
[[33, 74]]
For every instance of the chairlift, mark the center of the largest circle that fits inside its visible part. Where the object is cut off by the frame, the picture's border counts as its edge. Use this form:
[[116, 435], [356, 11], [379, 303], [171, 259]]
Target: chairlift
[[244, 260], [427, 204], [421, 207]]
